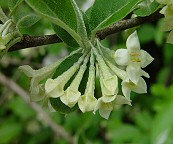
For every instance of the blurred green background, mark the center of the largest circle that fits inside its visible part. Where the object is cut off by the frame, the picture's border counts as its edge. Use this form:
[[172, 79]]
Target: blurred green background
[[148, 121]]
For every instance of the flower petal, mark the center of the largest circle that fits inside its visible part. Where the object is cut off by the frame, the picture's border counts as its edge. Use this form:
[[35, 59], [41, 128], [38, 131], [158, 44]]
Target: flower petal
[[122, 57], [37, 93], [141, 86], [108, 99], [104, 108], [87, 103], [170, 38], [53, 88], [133, 73], [121, 100], [126, 90], [143, 73], [109, 86], [50, 107], [132, 42], [146, 58], [70, 97]]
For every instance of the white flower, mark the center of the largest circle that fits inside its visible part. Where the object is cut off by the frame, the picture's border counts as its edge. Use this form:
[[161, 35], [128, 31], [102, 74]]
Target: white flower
[[108, 81], [87, 101], [133, 58], [55, 87], [71, 95], [109, 86], [128, 86], [134, 73], [133, 55], [37, 76], [106, 108]]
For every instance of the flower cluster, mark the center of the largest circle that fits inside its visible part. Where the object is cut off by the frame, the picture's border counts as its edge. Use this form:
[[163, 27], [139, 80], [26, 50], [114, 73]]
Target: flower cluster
[[108, 65], [9, 35], [168, 22]]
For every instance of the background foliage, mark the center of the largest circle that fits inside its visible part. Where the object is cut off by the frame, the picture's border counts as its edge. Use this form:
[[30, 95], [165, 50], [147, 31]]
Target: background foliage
[[149, 120]]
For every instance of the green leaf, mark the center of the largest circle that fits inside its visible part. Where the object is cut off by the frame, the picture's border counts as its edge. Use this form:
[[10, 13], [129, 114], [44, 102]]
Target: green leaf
[[13, 4], [9, 131], [61, 107], [105, 13], [86, 20], [66, 64], [162, 124], [81, 139], [65, 36], [25, 113], [81, 29], [124, 133], [146, 10], [143, 120], [60, 12], [28, 20]]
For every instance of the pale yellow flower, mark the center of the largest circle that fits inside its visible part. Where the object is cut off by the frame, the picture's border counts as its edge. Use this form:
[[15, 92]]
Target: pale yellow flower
[[87, 101], [55, 87], [71, 95]]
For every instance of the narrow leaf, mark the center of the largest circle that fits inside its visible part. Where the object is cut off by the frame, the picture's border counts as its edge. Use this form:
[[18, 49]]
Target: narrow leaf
[[65, 36], [81, 29], [28, 20], [66, 64]]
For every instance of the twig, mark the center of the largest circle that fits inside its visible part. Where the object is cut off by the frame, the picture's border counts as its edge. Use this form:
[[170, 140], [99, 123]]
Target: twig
[[30, 41], [59, 130], [33, 41], [128, 23]]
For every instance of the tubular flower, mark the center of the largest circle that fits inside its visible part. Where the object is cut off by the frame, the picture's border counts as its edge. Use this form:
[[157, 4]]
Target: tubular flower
[[71, 95], [37, 77], [87, 101], [55, 87], [108, 81]]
